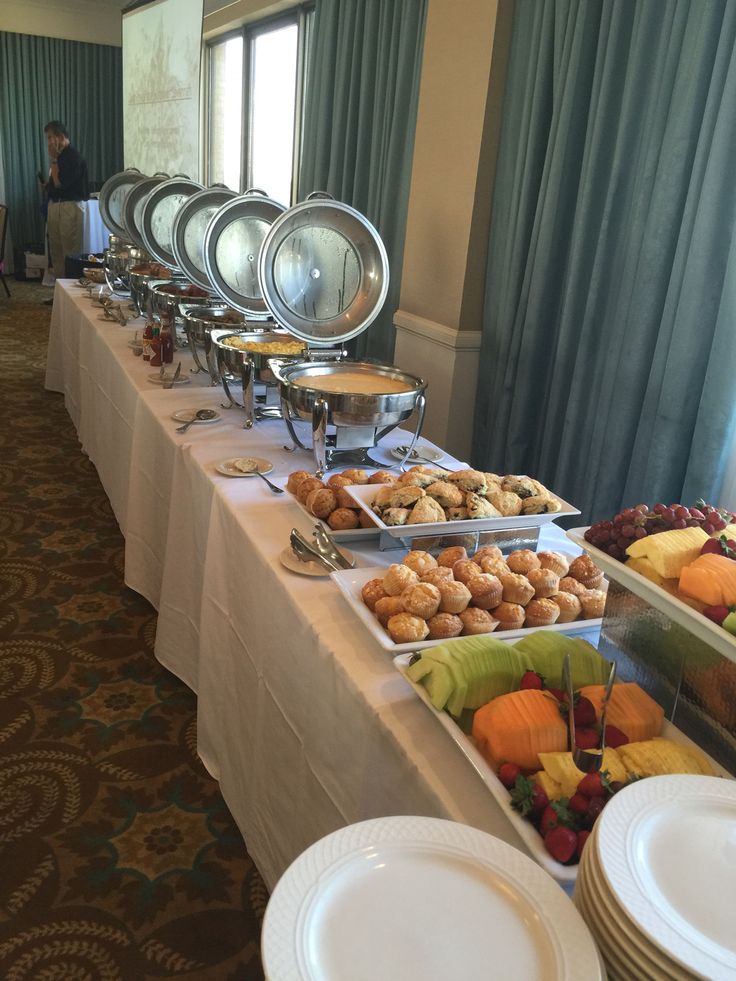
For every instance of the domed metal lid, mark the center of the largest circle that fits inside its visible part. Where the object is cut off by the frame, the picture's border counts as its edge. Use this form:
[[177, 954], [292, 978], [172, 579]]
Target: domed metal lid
[[190, 225], [232, 243], [158, 212], [112, 199], [323, 271], [133, 207]]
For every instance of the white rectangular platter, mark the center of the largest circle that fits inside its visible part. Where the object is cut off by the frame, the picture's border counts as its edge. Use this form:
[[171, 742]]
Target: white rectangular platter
[[350, 582], [697, 624], [348, 535], [364, 495], [564, 874]]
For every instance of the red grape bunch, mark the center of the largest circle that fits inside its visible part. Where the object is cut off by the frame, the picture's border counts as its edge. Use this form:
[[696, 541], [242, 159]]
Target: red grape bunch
[[615, 536]]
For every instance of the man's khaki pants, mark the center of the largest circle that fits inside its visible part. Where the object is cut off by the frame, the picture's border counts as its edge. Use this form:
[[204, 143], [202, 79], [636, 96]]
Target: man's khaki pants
[[66, 229]]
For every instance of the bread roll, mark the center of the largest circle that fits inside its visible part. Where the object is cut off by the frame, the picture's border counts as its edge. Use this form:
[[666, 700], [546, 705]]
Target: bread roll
[[292, 484], [305, 488], [342, 519], [321, 502]]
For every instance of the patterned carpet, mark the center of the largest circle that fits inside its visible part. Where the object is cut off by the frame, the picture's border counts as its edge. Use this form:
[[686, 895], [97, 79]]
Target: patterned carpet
[[118, 856]]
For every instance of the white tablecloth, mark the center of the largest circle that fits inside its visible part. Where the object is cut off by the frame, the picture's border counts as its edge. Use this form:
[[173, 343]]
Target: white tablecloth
[[301, 716]]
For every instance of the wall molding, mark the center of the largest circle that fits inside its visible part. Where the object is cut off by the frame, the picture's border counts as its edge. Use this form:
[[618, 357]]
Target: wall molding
[[455, 340]]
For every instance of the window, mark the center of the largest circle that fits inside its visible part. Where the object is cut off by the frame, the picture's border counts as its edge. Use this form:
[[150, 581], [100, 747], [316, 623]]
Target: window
[[254, 105]]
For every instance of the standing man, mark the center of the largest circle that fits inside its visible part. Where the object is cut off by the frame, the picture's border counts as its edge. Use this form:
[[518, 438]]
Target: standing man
[[67, 191]]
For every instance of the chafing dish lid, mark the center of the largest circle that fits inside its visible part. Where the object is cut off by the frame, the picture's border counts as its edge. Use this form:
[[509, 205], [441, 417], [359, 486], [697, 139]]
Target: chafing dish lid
[[158, 212], [112, 199], [323, 271], [133, 206], [231, 246], [190, 225]]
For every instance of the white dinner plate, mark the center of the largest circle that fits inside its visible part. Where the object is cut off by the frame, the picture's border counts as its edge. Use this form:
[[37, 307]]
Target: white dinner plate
[[412, 897], [295, 564], [350, 582], [667, 849], [228, 468], [424, 452], [185, 415], [167, 378]]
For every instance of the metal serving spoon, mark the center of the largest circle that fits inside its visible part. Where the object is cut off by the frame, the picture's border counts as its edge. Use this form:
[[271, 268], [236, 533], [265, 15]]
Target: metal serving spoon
[[250, 466], [585, 760], [199, 416]]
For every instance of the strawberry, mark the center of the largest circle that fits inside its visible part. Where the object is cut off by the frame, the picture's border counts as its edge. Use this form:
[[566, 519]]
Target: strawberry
[[716, 613], [586, 737], [556, 813], [558, 693], [582, 838], [594, 784], [578, 804], [584, 712], [614, 737], [595, 806], [561, 843], [720, 546], [508, 773], [531, 679], [548, 820], [528, 798]]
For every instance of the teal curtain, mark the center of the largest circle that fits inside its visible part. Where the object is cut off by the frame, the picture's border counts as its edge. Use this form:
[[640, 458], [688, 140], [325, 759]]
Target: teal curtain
[[609, 342], [360, 115], [41, 79]]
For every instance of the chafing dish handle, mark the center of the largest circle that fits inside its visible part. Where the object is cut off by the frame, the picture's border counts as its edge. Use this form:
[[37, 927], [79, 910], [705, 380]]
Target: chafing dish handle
[[319, 435], [246, 375], [420, 407], [296, 443], [193, 348], [222, 371], [209, 357]]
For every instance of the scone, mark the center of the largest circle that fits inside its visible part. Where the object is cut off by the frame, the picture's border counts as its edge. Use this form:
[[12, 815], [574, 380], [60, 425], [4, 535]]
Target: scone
[[342, 519], [541, 613], [417, 477], [486, 592], [404, 497], [406, 629], [387, 607], [398, 578], [420, 562], [545, 582], [488, 552], [520, 485], [593, 602], [421, 600], [522, 560], [395, 516], [449, 556], [476, 621], [466, 569], [479, 507], [372, 592], [469, 480], [454, 596], [540, 505], [554, 561], [444, 625], [506, 502], [425, 511], [516, 589], [446, 494], [510, 616], [584, 569], [292, 484], [570, 607], [382, 500], [457, 514]]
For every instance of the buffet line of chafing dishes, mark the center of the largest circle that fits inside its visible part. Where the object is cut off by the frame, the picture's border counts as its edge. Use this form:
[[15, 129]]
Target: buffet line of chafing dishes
[[265, 295]]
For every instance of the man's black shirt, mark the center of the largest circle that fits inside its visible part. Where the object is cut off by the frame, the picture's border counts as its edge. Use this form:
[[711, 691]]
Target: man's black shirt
[[72, 176]]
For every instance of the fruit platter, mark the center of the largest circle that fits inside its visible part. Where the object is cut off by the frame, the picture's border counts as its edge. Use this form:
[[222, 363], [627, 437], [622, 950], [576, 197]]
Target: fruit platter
[[497, 703], [681, 560]]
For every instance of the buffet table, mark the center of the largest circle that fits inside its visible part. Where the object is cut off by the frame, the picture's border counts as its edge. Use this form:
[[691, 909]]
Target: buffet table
[[301, 716]]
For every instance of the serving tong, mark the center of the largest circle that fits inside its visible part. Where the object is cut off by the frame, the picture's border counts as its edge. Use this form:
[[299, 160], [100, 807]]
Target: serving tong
[[326, 546], [587, 761], [324, 552]]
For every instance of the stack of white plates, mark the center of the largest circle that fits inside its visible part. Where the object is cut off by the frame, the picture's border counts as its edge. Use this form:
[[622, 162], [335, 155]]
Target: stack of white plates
[[657, 880], [409, 898]]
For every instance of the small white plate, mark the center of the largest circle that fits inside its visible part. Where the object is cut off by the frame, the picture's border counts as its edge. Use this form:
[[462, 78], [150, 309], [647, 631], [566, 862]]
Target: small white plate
[[228, 469], [421, 451], [294, 564], [167, 379], [185, 415]]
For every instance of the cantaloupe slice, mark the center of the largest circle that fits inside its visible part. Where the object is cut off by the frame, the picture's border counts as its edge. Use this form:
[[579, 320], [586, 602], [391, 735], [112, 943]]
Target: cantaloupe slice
[[630, 709], [517, 727], [711, 579]]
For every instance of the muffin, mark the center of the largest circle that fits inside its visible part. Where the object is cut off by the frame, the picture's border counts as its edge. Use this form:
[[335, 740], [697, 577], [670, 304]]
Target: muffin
[[342, 519], [545, 582], [554, 561], [372, 592], [584, 569], [516, 589], [398, 578], [476, 621], [494, 567], [593, 602], [406, 629], [321, 502], [443, 626], [570, 607], [296, 478], [570, 585], [488, 552], [420, 562], [449, 556], [522, 560], [510, 616], [305, 488], [421, 600], [454, 596], [387, 607], [466, 569], [438, 575], [541, 613], [486, 592]]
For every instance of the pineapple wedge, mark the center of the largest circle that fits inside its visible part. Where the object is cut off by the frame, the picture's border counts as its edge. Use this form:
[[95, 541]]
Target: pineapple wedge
[[660, 756], [552, 789], [561, 769], [669, 551]]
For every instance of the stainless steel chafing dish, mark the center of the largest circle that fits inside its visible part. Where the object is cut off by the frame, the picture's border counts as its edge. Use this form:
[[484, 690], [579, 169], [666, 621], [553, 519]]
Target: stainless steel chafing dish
[[199, 324], [140, 277], [166, 297]]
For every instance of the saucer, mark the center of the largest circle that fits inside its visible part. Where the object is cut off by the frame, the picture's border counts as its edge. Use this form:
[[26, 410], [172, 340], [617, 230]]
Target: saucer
[[228, 469]]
